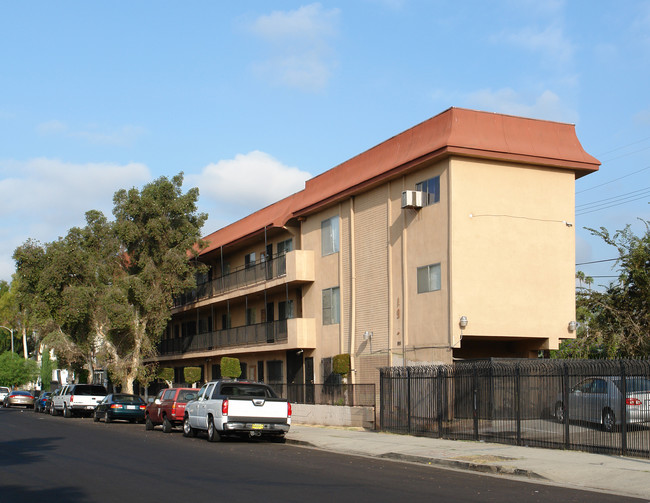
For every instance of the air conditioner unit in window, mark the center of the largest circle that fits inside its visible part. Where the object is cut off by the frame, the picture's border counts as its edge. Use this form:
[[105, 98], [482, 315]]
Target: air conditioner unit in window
[[412, 199]]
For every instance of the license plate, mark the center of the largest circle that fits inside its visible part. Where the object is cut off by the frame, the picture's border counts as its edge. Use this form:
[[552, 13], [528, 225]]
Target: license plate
[[131, 407], [90, 407], [257, 426]]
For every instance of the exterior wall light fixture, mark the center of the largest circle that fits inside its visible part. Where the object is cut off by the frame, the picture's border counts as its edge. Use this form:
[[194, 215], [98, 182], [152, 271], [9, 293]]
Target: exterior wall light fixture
[[572, 326], [463, 321]]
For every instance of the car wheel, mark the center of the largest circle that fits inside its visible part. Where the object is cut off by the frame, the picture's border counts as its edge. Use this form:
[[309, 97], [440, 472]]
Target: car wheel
[[66, 412], [95, 417], [609, 420], [148, 424], [213, 434], [278, 439], [167, 425], [188, 431], [560, 416], [53, 411], [107, 418]]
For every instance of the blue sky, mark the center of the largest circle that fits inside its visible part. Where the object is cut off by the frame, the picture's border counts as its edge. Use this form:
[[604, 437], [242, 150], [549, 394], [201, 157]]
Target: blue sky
[[250, 99]]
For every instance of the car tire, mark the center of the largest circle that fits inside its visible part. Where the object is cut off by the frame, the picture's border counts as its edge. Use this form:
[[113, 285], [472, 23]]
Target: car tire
[[107, 418], [213, 434], [609, 420], [278, 439], [188, 431], [167, 425], [148, 424], [560, 413], [53, 411], [95, 417], [66, 411]]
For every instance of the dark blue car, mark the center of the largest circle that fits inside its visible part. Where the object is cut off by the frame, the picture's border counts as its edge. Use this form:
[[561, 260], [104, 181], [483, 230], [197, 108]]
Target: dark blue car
[[120, 406]]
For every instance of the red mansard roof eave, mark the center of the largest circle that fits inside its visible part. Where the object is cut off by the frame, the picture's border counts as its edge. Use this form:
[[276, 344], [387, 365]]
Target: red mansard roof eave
[[456, 131]]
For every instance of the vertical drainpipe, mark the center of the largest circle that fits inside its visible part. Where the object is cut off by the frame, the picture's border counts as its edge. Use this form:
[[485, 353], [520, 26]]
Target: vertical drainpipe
[[266, 265], [353, 289], [389, 268], [404, 282], [449, 286]]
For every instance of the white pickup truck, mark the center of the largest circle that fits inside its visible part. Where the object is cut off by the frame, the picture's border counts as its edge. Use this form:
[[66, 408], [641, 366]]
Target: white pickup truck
[[237, 408]]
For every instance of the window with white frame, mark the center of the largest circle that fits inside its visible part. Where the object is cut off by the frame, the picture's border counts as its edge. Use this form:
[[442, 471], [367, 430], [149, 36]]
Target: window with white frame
[[329, 236], [331, 306], [431, 189], [429, 278], [249, 260]]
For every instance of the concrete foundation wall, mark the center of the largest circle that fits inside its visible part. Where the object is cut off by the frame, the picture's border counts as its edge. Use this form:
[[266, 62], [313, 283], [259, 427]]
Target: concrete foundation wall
[[333, 415]]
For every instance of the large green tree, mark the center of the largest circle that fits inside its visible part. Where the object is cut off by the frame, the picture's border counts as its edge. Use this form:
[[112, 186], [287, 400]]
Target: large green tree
[[15, 370], [105, 291], [615, 322]]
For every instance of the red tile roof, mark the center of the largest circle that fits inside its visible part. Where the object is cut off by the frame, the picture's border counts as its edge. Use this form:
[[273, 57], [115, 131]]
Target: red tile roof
[[456, 131]]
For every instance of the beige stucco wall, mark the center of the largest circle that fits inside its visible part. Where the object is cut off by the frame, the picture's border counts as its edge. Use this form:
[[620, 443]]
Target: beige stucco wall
[[512, 255]]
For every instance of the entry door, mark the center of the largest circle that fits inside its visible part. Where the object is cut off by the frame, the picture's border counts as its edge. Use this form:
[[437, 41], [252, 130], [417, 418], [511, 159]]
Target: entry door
[[309, 380], [295, 376]]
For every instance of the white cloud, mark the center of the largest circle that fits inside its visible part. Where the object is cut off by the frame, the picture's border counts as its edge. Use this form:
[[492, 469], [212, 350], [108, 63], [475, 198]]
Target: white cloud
[[43, 198], [92, 133], [300, 53], [545, 106], [550, 42], [236, 187]]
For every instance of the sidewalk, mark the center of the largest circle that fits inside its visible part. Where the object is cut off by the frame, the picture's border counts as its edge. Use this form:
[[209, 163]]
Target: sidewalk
[[577, 470]]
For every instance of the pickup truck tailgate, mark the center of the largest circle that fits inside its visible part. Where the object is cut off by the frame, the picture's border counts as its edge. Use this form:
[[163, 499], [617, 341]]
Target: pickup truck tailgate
[[267, 410]]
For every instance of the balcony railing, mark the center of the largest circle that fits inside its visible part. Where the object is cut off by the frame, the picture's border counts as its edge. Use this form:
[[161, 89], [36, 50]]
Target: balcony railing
[[262, 333], [269, 269]]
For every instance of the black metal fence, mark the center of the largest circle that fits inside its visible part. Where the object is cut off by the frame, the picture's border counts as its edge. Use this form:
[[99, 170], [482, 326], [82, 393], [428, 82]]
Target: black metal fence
[[590, 405]]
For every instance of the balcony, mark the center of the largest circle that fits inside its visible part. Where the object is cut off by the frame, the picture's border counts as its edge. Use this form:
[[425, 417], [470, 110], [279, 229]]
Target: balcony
[[295, 266], [276, 335]]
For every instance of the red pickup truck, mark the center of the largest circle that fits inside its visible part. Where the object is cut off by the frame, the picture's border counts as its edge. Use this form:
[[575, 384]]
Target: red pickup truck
[[168, 408]]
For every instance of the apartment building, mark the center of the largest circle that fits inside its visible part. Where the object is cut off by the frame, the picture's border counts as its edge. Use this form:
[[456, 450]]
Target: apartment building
[[451, 240]]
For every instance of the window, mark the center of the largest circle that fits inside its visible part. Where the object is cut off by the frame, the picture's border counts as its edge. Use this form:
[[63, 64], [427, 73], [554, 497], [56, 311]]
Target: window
[[249, 260], [331, 306], [225, 321], [429, 278], [431, 189], [285, 309], [250, 316], [285, 246], [329, 232]]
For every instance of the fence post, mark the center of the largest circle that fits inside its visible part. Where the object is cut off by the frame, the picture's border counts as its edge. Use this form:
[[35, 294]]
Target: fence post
[[565, 402], [517, 404], [623, 411], [381, 400], [475, 404], [440, 384], [408, 400]]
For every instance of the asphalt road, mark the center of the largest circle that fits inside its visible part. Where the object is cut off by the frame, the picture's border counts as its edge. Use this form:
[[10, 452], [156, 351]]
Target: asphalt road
[[53, 459]]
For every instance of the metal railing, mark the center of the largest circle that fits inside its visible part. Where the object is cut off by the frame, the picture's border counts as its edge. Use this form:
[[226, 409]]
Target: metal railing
[[272, 268], [260, 333], [353, 395], [590, 405]]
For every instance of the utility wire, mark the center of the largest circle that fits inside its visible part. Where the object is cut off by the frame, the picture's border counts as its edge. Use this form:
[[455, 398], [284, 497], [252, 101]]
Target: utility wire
[[628, 194], [612, 181], [599, 261], [611, 205]]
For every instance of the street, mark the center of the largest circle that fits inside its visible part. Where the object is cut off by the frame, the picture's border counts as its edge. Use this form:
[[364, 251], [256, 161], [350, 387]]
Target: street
[[45, 458]]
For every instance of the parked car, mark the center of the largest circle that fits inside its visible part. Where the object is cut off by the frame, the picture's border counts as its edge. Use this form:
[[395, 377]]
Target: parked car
[[3, 393], [81, 399], [39, 403], [237, 408], [599, 400], [120, 406], [56, 401], [17, 397], [168, 408]]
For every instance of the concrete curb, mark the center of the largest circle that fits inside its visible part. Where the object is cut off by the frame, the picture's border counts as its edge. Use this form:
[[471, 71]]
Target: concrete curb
[[447, 463]]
